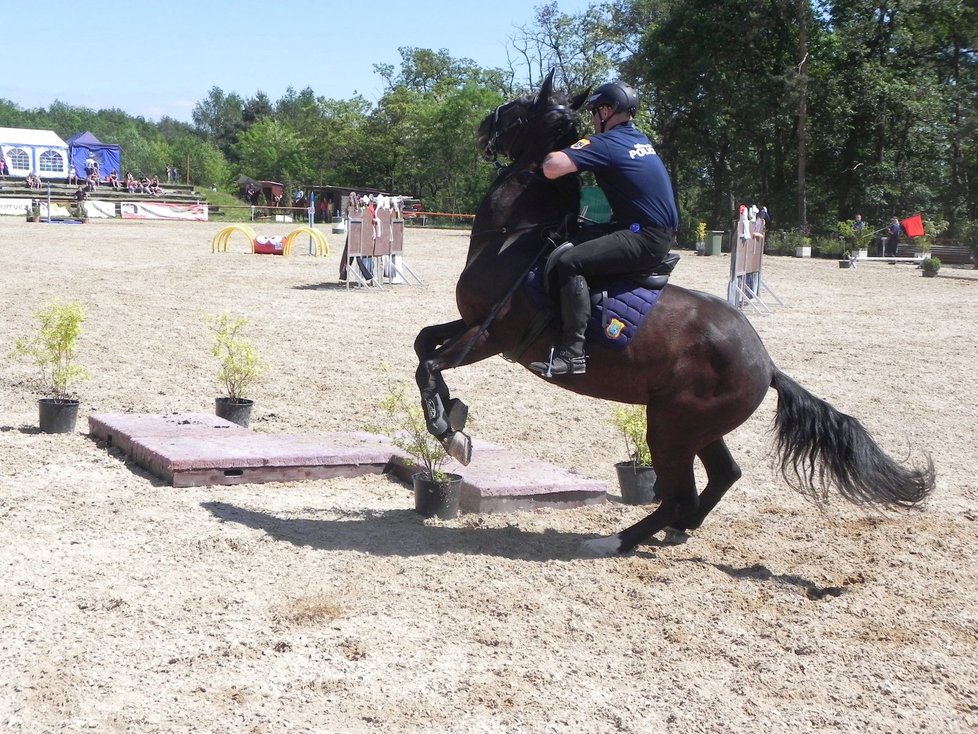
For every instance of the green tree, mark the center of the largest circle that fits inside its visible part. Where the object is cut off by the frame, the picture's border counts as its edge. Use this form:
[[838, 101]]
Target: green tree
[[257, 108], [583, 49], [901, 87], [271, 150], [335, 142], [199, 162], [220, 118]]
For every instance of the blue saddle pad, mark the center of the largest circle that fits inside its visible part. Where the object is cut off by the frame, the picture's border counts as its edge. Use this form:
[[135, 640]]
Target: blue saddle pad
[[613, 321]]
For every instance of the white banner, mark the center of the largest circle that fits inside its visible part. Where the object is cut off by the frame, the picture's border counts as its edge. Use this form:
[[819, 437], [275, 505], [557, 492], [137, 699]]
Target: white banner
[[99, 209], [57, 211], [146, 210], [14, 207]]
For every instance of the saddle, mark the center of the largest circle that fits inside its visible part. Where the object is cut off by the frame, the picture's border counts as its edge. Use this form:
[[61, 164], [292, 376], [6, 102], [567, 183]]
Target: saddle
[[653, 280], [619, 304]]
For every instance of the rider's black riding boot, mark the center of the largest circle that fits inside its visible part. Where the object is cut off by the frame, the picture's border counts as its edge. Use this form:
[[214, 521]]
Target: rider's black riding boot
[[575, 307]]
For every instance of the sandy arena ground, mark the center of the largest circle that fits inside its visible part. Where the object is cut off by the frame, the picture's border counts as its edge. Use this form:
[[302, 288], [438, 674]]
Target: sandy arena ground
[[330, 606]]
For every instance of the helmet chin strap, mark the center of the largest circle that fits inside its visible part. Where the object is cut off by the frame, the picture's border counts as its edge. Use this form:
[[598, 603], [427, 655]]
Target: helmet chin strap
[[604, 120]]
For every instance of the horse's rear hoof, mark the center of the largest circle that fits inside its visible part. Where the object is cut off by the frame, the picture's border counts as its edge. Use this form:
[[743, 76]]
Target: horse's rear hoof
[[609, 546], [459, 447], [675, 537]]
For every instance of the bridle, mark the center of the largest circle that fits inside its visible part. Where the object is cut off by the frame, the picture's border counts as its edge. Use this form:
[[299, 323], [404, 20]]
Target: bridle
[[496, 132]]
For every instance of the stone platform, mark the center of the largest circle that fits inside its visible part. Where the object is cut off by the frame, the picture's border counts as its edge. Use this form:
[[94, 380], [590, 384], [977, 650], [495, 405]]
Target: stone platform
[[195, 449]]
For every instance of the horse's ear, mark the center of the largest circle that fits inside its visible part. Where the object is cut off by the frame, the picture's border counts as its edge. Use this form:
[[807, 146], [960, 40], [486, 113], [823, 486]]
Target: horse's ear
[[578, 100], [546, 89]]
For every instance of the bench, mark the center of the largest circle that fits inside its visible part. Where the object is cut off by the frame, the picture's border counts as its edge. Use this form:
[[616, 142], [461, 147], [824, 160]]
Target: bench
[[949, 254]]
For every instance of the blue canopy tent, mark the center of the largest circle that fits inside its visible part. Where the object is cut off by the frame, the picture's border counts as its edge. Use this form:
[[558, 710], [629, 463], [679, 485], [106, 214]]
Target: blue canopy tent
[[85, 145]]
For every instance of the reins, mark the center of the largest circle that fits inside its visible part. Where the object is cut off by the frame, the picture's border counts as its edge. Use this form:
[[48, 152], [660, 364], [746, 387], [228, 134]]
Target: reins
[[492, 150], [494, 311]]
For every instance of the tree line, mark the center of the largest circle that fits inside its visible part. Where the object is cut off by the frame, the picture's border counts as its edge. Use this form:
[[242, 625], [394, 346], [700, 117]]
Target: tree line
[[820, 110]]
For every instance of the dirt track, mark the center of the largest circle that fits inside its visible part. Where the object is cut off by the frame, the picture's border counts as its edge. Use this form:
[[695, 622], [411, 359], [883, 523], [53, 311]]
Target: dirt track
[[129, 606]]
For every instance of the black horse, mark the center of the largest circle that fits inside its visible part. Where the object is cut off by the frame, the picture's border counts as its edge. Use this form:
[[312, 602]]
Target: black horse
[[695, 362]]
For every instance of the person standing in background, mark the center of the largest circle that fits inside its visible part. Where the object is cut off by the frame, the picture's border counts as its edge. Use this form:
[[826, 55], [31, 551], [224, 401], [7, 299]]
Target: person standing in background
[[892, 238]]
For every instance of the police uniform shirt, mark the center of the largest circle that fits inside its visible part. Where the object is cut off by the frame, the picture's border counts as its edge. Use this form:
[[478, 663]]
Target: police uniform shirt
[[630, 174]]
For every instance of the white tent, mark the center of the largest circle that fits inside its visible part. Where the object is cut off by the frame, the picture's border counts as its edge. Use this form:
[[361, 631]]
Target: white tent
[[40, 151]]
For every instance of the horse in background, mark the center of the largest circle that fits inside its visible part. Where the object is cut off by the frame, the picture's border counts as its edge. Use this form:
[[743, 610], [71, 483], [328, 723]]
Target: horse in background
[[695, 362]]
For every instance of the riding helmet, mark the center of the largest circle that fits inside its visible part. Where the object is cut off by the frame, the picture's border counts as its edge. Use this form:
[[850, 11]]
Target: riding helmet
[[617, 95]]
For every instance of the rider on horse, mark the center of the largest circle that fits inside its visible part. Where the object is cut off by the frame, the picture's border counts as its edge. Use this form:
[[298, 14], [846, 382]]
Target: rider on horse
[[644, 216]]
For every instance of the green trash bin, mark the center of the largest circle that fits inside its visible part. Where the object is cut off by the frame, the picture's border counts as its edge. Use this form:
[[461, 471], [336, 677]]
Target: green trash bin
[[714, 243]]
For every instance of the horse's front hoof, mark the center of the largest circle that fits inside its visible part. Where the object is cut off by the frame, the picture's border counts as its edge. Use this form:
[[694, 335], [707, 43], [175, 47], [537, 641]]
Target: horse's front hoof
[[458, 414], [609, 546], [459, 447]]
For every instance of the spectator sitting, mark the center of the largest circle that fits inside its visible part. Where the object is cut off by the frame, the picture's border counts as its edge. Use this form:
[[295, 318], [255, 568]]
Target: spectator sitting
[[72, 176], [4, 171], [112, 180], [92, 183], [33, 180]]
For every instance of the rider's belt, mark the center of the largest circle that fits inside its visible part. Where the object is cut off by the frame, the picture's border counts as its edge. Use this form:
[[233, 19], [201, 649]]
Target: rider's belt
[[644, 227]]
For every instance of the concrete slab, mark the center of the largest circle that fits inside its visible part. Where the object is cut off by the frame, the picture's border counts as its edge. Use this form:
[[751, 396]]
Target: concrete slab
[[117, 429], [196, 449], [499, 479]]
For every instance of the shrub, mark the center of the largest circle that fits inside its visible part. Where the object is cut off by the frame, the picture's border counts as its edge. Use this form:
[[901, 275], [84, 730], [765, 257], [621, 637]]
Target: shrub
[[631, 421], [53, 348], [406, 427], [785, 241], [931, 264], [240, 367], [828, 246]]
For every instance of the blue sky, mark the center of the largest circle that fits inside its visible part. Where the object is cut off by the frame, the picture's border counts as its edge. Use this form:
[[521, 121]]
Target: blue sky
[[179, 49]]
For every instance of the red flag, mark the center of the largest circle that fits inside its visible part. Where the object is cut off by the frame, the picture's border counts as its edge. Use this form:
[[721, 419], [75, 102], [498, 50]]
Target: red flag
[[913, 226]]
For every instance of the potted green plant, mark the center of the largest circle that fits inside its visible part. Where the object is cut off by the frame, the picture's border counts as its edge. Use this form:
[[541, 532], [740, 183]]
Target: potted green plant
[[636, 477], [857, 237], [53, 349], [700, 238], [863, 238], [803, 246], [846, 260], [930, 265], [925, 243], [240, 369], [437, 493]]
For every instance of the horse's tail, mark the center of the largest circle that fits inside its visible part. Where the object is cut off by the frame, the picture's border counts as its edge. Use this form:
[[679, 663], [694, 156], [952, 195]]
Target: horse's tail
[[819, 446]]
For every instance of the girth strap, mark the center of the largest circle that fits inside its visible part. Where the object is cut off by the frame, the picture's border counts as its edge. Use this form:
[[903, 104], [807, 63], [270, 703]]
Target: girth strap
[[533, 330]]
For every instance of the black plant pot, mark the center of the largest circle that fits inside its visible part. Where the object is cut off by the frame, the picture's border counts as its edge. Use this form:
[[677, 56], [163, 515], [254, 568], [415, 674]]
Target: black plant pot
[[437, 499], [637, 483], [57, 416], [237, 411]]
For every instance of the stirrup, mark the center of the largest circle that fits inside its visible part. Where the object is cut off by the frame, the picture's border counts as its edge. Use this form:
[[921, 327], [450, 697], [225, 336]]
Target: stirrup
[[560, 362]]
